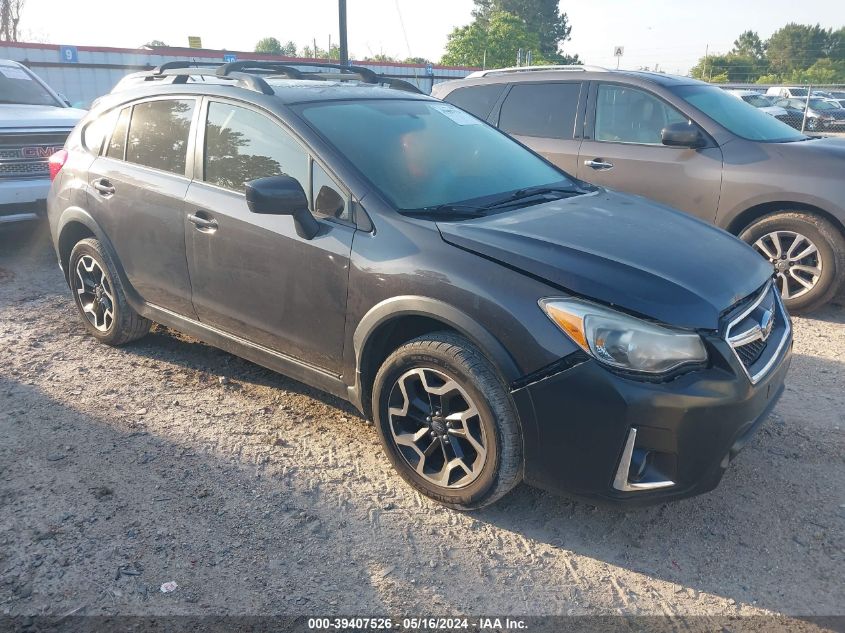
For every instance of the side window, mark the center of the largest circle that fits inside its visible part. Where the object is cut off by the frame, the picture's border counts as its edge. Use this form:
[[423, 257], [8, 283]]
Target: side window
[[327, 196], [545, 110], [477, 100], [98, 130], [158, 134], [117, 144], [242, 145], [628, 115]]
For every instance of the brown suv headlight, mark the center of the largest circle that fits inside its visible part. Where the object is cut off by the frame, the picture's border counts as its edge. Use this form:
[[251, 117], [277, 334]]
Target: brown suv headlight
[[622, 341]]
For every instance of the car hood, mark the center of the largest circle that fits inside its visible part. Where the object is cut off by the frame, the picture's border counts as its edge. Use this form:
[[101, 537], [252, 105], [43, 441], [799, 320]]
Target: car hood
[[17, 116], [622, 250], [826, 148]]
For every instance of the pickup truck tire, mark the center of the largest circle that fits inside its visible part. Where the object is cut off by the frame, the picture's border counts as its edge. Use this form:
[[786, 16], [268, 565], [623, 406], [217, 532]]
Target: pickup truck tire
[[100, 298], [807, 253], [447, 422]]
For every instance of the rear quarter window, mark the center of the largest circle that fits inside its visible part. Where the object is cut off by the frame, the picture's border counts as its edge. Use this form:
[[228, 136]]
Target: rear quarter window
[[477, 100], [542, 110], [158, 134]]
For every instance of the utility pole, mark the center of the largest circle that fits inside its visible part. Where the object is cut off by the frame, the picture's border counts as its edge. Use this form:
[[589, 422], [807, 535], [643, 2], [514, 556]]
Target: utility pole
[[706, 53], [344, 50]]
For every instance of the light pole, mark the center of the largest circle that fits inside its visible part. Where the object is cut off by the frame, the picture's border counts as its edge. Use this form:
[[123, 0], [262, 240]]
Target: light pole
[[344, 50]]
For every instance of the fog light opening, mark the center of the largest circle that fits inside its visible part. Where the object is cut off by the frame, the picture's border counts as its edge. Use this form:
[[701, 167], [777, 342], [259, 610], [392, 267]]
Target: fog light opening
[[636, 471]]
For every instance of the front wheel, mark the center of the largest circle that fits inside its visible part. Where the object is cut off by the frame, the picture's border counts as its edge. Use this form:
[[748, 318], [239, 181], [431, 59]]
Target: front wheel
[[447, 423], [807, 254]]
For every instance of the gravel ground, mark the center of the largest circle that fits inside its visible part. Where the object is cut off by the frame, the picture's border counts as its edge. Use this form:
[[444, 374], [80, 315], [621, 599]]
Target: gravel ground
[[169, 460]]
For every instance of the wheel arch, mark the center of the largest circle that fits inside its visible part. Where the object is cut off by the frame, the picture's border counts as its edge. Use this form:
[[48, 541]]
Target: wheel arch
[[77, 224], [398, 320], [745, 218]]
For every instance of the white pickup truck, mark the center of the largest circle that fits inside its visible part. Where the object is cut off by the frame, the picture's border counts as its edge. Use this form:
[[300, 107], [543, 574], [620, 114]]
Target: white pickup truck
[[34, 123]]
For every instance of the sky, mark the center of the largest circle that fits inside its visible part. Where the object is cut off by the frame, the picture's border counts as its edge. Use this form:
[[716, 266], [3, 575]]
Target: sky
[[670, 34]]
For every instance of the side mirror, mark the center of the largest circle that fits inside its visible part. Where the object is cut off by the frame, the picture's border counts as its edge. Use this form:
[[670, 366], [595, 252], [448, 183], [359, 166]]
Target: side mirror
[[282, 195], [64, 99], [682, 135]]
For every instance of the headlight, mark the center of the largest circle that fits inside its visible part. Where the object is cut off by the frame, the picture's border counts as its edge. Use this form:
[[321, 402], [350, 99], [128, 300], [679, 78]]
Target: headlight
[[622, 341]]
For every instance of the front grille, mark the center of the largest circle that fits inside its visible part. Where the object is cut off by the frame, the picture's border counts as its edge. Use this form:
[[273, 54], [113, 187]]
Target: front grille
[[25, 155], [34, 169], [758, 332], [750, 352]]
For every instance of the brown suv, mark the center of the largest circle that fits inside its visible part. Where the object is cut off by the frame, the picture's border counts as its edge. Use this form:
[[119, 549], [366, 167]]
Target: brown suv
[[687, 144]]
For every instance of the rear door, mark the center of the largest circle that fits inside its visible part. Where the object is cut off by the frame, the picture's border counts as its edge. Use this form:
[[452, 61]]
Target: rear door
[[622, 150], [252, 274], [138, 186], [544, 116]]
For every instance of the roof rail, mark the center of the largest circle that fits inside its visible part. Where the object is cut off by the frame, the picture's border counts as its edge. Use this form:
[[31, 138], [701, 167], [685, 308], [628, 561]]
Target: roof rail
[[158, 70], [523, 69], [293, 71], [244, 80]]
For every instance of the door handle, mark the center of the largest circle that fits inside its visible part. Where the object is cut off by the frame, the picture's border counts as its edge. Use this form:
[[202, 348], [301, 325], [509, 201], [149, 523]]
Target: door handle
[[103, 186], [207, 225], [598, 164]]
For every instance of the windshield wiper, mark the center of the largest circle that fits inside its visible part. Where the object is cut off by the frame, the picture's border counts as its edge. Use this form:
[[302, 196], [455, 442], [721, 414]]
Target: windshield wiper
[[530, 192], [449, 211]]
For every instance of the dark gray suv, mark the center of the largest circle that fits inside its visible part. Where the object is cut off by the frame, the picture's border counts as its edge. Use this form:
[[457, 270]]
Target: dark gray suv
[[687, 144], [498, 319]]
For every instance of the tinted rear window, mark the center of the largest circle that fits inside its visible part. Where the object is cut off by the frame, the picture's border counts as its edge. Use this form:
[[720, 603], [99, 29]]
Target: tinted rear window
[[158, 134], [19, 87], [545, 110], [477, 100]]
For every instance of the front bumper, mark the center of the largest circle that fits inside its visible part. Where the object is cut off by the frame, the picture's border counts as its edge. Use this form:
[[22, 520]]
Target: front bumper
[[22, 200], [576, 424]]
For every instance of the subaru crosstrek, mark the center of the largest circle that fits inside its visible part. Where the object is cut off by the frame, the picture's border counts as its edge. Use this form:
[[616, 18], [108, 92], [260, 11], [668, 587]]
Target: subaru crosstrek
[[497, 318]]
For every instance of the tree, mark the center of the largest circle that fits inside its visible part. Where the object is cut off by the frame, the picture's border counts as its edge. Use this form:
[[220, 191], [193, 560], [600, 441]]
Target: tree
[[380, 57], [289, 49], [731, 67], [797, 47], [321, 53], [269, 45], [749, 44], [421, 61], [500, 36], [10, 17], [542, 17]]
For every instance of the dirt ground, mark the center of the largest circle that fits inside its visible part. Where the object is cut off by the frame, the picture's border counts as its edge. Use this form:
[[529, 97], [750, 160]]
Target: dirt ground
[[169, 460]]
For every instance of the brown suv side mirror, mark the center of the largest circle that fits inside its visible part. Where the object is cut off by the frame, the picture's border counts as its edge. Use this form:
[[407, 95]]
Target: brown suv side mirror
[[682, 135], [282, 195]]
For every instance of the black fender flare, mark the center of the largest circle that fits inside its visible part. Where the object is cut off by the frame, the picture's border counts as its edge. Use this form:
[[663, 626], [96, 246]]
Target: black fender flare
[[409, 305], [81, 216]]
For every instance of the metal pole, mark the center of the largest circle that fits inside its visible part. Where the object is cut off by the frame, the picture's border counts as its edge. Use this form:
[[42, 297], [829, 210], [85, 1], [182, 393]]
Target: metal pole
[[806, 107], [344, 51]]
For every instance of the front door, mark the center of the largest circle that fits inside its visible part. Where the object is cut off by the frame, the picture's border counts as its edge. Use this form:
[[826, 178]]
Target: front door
[[625, 152], [251, 274], [138, 187]]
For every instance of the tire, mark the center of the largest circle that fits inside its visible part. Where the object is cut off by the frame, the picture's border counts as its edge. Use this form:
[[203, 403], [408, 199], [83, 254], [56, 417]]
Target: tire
[[829, 257], [441, 360], [88, 263]]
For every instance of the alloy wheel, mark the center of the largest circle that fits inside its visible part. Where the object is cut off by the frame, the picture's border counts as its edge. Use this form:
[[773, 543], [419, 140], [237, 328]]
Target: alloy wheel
[[796, 261], [94, 292], [437, 428]]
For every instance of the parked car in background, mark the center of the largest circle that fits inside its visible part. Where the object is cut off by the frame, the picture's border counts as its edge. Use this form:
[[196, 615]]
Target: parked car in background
[[787, 92], [687, 144], [762, 102], [498, 319], [821, 114], [34, 123]]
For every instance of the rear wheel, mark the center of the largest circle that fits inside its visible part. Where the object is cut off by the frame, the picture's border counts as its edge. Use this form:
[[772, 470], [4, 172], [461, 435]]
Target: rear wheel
[[100, 298], [447, 423], [807, 254]]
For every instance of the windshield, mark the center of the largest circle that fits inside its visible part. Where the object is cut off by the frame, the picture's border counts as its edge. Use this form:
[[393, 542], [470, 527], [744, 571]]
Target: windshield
[[735, 115], [821, 104], [758, 101], [798, 92], [19, 87], [424, 154]]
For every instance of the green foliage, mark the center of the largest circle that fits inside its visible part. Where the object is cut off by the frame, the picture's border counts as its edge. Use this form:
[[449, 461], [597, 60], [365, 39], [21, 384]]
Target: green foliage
[[796, 53], [380, 57], [269, 45], [541, 17], [500, 35], [321, 53], [422, 61]]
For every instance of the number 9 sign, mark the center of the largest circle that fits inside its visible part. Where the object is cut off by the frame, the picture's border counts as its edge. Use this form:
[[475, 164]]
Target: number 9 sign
[[68, 54]]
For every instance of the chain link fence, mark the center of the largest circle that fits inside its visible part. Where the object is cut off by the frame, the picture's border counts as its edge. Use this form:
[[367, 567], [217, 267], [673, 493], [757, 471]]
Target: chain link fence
[[813, 109]]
